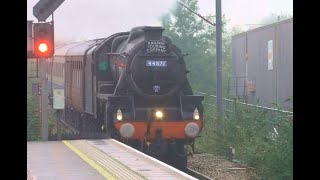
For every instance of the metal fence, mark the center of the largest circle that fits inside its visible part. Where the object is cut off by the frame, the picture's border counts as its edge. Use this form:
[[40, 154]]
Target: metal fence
[[228, 103]]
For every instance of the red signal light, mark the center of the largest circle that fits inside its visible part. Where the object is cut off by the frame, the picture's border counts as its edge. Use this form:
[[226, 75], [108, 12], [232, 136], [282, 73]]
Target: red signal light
[[122, 65], [43, 47]]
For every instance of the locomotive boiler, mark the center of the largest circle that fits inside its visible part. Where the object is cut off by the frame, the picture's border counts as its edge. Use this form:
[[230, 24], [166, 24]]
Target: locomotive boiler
[[132, 86]]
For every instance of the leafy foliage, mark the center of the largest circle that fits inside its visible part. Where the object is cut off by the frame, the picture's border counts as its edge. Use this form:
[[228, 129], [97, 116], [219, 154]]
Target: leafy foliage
[[33, 119], [263, 139], [197, 39], [33, 123]]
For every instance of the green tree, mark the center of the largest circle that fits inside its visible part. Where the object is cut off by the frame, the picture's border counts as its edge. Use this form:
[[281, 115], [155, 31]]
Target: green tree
[[197, 39]]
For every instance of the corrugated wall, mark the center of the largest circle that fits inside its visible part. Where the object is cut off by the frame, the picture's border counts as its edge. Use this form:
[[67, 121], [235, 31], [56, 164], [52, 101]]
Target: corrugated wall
[[263, 79], [238, 66], [285, 87], [272, 84]]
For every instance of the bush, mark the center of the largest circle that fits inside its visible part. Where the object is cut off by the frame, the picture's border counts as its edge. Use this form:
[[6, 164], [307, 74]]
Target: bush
[[263, 139], [33, 122]]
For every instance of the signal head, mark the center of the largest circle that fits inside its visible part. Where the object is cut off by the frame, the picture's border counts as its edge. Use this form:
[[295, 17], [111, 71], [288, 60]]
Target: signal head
[[43, 40]]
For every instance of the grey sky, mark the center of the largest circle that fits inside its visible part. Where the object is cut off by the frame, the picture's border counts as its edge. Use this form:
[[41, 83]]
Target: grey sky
[[88, 19]]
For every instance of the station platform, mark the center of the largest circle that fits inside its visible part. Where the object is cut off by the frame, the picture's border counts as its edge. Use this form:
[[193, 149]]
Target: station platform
[[94, 159]]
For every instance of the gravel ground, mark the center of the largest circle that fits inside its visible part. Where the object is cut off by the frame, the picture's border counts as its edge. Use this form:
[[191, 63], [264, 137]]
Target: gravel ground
[[219, 168]]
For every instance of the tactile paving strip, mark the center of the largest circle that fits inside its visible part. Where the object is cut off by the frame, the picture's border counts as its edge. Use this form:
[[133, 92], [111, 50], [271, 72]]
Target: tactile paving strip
[[111, 165]]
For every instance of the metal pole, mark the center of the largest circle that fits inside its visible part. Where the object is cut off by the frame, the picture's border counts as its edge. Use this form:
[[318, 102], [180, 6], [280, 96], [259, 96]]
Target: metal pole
[[44, 100], [37, 67], [219, 70]]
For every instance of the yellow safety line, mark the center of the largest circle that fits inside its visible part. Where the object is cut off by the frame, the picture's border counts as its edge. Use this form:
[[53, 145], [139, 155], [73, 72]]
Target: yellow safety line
[[96, 166]]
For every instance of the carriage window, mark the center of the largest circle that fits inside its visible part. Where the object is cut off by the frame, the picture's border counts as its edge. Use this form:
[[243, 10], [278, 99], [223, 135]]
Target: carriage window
[[77, 81], [79, 78]]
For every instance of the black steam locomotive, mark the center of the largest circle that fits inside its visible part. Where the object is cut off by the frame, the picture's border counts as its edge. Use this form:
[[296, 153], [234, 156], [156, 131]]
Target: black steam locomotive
[[132, 86]]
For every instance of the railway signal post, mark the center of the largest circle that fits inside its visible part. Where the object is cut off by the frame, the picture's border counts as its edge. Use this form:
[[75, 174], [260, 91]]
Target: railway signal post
[[43, 49], [44, 100]]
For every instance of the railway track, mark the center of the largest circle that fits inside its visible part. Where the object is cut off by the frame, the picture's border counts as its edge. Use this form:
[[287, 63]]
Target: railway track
[[197, 175]]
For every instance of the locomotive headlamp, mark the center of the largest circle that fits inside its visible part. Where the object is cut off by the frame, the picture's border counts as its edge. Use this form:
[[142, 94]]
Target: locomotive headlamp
[[196, 115], [159, 114], [119, 115]]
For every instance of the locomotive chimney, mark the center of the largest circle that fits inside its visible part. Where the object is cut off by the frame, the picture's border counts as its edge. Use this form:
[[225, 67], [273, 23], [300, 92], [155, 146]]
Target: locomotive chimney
[[153, 33]]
